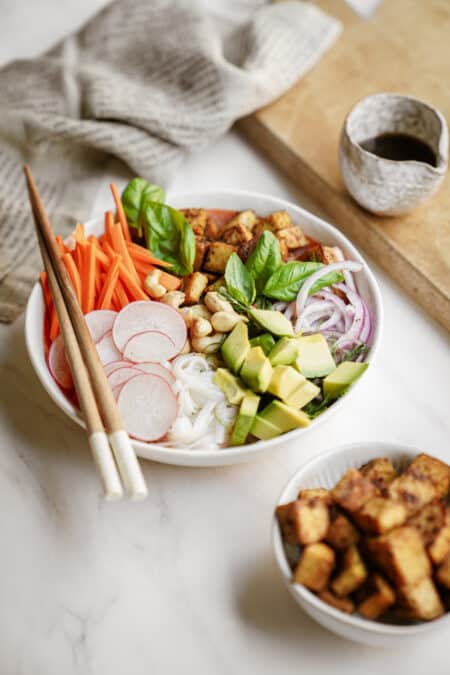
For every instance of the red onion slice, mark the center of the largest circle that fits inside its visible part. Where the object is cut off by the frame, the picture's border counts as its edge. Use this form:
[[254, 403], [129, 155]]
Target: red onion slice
[[350, 265]]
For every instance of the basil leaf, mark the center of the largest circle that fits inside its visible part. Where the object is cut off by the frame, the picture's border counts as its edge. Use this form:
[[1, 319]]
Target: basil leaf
[[264, 259], [169, 236], [240, 284], [133, 197], [285, 283]]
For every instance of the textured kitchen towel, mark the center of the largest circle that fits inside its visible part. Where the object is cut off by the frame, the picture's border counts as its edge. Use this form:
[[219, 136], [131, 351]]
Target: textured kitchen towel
[[143, 82]]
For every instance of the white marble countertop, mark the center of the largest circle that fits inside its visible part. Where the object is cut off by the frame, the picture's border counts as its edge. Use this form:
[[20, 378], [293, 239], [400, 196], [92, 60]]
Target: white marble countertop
[[186, 581]]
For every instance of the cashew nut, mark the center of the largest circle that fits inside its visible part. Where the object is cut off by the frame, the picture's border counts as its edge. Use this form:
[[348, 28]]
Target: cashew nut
[[194, 312], [208, 344], [187, 347], [216, 303], [174, 299], [200, 328], [153, 288], [226, 321]]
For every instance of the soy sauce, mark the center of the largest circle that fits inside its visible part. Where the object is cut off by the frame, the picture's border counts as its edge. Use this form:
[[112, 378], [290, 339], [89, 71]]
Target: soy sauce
[[400, 147]]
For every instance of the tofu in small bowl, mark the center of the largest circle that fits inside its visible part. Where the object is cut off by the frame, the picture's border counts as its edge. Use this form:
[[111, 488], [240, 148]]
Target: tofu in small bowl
[[361, 536]]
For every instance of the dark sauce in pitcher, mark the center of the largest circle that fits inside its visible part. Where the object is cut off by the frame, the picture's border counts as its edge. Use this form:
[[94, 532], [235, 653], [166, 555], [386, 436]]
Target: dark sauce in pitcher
[[401, 148]]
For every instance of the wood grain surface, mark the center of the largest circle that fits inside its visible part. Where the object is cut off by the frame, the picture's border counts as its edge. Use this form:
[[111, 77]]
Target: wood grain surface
[[405, 48]]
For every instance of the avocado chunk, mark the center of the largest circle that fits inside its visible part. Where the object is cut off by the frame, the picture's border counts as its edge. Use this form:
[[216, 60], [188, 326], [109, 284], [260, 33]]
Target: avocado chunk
[[235, 347], [230, 385], [256, 370], [265, 340], [275, 322], [314, 357], [302, 395], [284, 353], [284, 380], [263, 429], [339, 380], [284, 417], [245, 418]]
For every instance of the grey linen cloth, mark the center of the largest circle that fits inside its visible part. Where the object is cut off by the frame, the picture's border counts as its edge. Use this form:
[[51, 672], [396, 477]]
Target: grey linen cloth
[[142, 83]]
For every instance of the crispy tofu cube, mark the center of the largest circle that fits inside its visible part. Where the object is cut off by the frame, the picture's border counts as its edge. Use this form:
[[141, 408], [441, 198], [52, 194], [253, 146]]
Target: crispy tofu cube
[[311, 519], [379, 515], [312, 493], [285, 517], [353, 573], [328, 255], [443, 573], [412, 491], [315, 566], [201, 246], [341, 533], [292, 236], [353, 490], [194, 286], [279, 220], [380, 472], [422, 600], [401, 555], [439, 548], [380, 597], [237, 235], [344, 604], [245, 219], [433, 524], [197, 219], [436, 471], [217, 256], [212, 230]]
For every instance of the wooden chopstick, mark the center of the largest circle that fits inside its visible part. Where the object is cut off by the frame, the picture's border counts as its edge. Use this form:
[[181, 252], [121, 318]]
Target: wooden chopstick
[[98, 440], [125, 456]]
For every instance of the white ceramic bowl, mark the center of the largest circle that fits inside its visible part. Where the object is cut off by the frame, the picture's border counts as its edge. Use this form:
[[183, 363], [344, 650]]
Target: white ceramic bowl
[[325, 471], [234, 200]]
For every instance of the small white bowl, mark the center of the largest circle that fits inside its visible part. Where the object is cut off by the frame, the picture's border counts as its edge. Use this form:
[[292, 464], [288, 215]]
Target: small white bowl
[[325, 471], [234, 200]]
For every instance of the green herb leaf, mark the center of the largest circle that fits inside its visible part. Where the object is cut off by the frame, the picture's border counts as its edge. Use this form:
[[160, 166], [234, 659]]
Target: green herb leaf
[[285, 283], [169, 236], [262, 302], [353, 354], [317, 406], [264, 259], [133, 198], [240, 283]]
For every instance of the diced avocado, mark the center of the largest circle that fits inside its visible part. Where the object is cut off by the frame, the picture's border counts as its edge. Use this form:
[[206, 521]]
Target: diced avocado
[[284, 417], [340, 379], [256, 370], [284, 380], [284, 353], [263, 429], [235, 347], [245, 419], [275, 322], [265, 340], [230, 385], [303, 395], [314, 357]]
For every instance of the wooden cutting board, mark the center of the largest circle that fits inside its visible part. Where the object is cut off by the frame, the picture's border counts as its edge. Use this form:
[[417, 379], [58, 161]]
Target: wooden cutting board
[[404, 47]]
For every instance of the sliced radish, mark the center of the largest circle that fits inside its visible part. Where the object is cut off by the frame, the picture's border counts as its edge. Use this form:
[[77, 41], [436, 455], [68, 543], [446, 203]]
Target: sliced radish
[[107, 350], [116, 390], [148, 407], [58, 364], [157, 369], [99, 322], [122, 375], [115, 365], [151, 345], [146, 315]]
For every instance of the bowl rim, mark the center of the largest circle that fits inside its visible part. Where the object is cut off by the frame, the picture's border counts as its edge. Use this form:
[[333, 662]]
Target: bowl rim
[[301, 593], [228, 454]]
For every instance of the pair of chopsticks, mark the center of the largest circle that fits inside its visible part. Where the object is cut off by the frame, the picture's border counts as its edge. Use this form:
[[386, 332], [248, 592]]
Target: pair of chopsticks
[[98, 406]]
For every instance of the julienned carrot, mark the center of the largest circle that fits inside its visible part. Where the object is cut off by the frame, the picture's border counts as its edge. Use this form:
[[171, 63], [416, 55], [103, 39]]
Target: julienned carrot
[[139, 253], [143, 267], [54, 325], [61, 245], [120, 295], [118, 244], [132, 286], [88, 285], [109, 283], [78, 233], [120, 213], [109, 223], [169, 281], [74, 274]]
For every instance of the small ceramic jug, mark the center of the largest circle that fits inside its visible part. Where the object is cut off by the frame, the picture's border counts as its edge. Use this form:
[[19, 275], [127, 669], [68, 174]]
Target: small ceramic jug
[[387, 186]]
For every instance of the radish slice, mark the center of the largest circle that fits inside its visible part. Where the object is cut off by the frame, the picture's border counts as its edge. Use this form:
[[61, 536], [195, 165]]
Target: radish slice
[[145, 315], [107, 349], [157, 369], [151, 345], [122, 375], [148, 407], [99, 322], [116, 390], [115, 365], [58, 365]]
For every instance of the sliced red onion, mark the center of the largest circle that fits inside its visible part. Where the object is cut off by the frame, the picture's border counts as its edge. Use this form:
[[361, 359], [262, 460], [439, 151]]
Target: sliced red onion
[[349, 265], [348, 276]]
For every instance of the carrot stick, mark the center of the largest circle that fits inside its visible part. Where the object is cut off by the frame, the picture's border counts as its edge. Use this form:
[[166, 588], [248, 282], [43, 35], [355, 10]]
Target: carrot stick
[[46, 290], [104, 301], [109, 223], [132, 286], [143, 268], [118, 244], [120, 212], [79, 234], [73, 274], [120, 295], [88, 286], [169, 281], [140, 253], [54, 325], [61, 245]]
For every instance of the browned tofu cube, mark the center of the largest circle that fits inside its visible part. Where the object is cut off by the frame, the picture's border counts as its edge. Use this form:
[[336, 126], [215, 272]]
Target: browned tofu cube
[[412, 491], [328, 255], [436, 471], [311, 519], [353, 573], [284, 514], [439, 548], [279, 220], [341, 533], [353, 490], [379, 515], [212, 230], [422, 600], [433, 524], [443, 573], [194, 286], [292, 236], [197, 218], [312, 493], [201, 246], [217, 255], [380, 597], [237, 235], [246, 219], [315, 566], [401, 555], [380, 472], [344, 604]]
